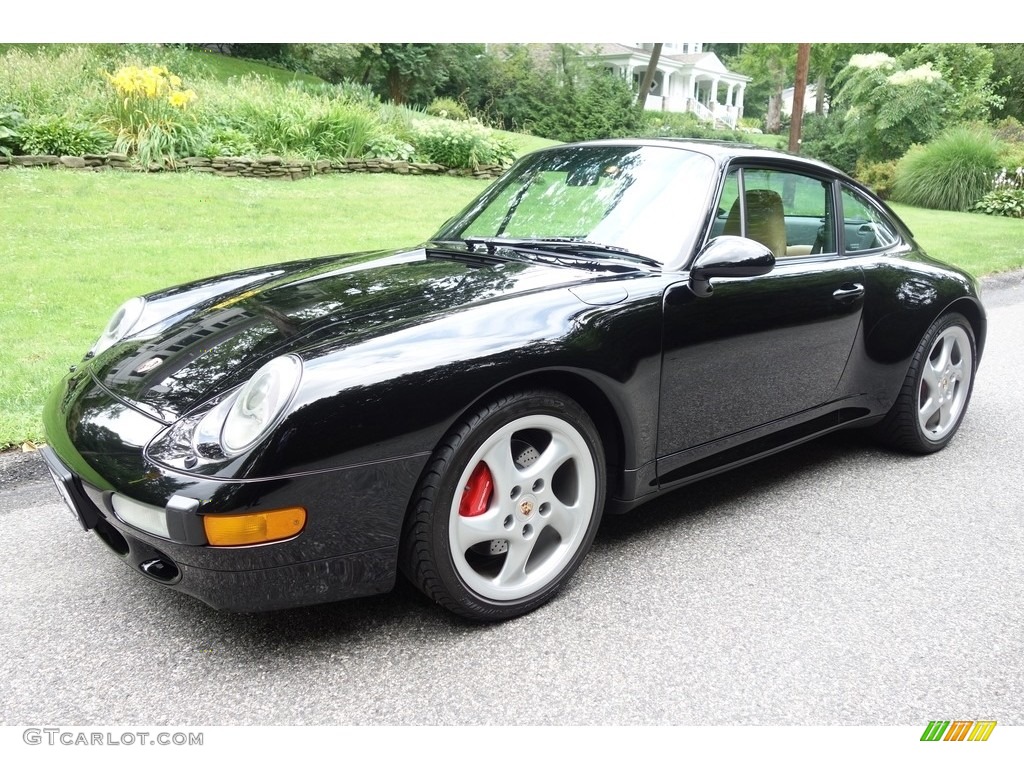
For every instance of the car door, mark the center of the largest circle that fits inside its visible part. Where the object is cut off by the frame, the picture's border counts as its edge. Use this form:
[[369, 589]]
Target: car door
[[759, 353]]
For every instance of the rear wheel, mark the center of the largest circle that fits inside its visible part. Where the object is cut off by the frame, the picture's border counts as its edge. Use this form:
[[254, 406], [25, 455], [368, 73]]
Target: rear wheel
[[508, 507], [937, 389]]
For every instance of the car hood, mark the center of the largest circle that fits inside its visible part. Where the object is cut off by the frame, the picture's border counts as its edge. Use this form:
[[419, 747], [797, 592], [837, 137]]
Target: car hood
[[219, 343]]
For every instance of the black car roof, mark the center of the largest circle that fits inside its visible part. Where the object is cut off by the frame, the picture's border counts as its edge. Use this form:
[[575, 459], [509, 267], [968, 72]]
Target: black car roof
[[720, 150]]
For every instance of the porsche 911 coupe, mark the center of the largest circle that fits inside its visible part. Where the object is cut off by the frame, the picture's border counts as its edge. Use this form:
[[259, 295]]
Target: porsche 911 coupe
[[607, 322]]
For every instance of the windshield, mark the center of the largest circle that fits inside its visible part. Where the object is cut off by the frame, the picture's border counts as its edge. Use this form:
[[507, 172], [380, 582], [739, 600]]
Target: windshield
[[646, 200]]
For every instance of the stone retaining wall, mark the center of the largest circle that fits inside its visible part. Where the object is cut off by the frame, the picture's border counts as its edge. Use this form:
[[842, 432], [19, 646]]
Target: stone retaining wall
[[258, 168]]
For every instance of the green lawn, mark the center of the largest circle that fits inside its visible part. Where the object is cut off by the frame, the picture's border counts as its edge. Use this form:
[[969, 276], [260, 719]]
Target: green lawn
[[219, 66], [75, 245], [980, 244], [768, 140], [225, 67]]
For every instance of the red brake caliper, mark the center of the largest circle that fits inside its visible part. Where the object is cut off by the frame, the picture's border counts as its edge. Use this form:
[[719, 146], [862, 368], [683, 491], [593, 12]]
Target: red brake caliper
[[476, 496]]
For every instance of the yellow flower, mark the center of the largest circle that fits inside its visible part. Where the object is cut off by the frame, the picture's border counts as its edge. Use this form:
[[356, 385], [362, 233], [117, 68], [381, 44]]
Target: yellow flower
[[181, 99]]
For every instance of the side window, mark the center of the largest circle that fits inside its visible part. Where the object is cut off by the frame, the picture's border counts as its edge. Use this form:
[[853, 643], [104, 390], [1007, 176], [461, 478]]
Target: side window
[[730, 193], [789, 213], [864, 227]]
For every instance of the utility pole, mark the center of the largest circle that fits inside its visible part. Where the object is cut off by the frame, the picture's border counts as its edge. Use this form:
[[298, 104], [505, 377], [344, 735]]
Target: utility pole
[[645, 86], [796, 118]]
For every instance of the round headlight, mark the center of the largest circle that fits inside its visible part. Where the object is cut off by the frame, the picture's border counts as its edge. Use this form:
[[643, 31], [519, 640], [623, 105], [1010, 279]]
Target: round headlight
[[126, 316], [260, 403]]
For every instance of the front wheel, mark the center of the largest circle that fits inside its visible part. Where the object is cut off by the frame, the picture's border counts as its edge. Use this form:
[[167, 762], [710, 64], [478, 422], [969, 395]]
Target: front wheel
[[507, 508], [934, 397]]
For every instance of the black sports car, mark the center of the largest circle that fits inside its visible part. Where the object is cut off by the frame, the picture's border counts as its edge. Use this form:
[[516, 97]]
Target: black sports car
[[608, 321]]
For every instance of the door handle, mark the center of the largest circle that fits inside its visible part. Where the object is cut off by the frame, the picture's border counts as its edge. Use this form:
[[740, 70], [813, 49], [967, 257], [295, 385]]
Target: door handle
[[848, 292]]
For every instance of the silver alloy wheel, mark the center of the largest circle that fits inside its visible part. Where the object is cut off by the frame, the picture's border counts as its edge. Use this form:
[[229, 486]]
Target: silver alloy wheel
[[945, 383], [537, 514]]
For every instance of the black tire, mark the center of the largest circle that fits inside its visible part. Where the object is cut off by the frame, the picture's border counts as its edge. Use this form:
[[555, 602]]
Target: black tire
[[491, 555], [933, 399]]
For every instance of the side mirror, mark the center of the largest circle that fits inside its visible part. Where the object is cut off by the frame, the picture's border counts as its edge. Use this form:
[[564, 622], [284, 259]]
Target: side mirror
[[729, 256]]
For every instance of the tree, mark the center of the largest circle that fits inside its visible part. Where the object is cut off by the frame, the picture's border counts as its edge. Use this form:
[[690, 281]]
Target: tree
[[774, 65], [576, 102], [334, 62], [1008, 78], [411, 71], [827, 61], [967, 68], [884, 108], [502, 86], [652, 67]]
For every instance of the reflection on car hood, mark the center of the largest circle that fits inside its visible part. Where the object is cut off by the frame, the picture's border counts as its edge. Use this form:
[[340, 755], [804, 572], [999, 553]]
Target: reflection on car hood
[[222, 341]]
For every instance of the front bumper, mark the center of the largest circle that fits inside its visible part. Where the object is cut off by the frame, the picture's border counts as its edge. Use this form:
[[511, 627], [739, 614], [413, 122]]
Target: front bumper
[[152, 516], [231, 577]]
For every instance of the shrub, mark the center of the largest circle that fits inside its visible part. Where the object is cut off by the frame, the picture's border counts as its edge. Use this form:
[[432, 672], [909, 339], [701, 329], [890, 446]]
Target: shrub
[[1010, 130], [594, 105], [824, 137], [293, 121], [398, 120], [967, 68], [338, 130], [60, 135], [884, 109], [176, 57], [879, 176], [11, 121], [447, 108], [460, 145], [387, 146], [227, 142], [51, 81], [749, 125], [1002, 202], [346, 91], [951, 173], [1012, 157], [683, 125]]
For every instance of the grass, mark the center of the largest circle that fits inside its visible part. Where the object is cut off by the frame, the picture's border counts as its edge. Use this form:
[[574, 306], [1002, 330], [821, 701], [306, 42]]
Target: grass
[[225, 67], [768, 140], [218, 65], [75, 245], [983, 245], [525, 143]]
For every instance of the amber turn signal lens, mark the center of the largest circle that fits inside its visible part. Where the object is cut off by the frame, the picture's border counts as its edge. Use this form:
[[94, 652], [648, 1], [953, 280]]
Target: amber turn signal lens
[[255, 528]]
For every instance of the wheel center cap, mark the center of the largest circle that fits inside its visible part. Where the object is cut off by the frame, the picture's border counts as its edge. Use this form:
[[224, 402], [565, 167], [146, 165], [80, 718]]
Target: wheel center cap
[[526, 507]]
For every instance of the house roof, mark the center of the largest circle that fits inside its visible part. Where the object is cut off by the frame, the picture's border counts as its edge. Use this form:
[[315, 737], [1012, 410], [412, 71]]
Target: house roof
[[707, 61]]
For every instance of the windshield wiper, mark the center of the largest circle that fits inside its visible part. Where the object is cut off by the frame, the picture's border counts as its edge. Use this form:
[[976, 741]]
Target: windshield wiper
[[573, 246]]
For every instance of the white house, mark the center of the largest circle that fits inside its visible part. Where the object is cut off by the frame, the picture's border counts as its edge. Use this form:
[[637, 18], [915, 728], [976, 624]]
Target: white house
[[686, 78], [810, 100]]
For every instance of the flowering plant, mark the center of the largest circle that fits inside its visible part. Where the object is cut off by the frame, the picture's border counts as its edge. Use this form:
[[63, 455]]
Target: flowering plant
[[149, 116], [1007, 178]]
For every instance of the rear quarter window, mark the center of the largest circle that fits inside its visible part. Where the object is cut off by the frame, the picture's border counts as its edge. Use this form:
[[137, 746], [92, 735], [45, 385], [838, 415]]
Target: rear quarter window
[[864, 226]]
